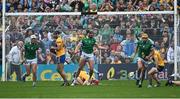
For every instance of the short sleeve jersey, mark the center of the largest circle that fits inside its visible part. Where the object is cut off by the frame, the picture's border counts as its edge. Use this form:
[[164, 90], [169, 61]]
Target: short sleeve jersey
[[30, 50], [87, 45], [144, 48]]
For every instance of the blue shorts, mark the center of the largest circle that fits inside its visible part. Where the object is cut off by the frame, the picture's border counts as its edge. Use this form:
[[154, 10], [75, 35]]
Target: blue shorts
[[61, 59], [160, 68]]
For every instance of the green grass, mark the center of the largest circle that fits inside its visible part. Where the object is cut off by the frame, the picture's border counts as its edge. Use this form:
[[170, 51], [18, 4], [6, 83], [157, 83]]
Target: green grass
[[108, 89]]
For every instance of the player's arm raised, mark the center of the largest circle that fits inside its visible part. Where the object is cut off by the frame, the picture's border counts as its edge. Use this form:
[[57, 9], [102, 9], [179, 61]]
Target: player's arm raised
[[101, 47], [77, 47], [39, 54]]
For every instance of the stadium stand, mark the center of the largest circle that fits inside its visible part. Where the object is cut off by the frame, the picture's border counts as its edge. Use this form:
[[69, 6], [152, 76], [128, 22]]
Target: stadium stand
[[116, 31], [87, 5]]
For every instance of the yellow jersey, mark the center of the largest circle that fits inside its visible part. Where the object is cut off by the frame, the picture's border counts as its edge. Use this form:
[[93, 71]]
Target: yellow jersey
[[159, 58], [84, 75], [60, 43]]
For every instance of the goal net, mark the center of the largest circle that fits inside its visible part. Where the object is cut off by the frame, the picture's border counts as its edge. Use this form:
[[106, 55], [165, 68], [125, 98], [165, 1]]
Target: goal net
[[117, 30]]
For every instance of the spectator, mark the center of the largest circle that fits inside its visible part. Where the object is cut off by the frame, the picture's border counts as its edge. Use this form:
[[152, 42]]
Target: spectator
[[116, 60], [155, 3], [19, 8], [29, 32], [107, 61], [145, 5], [41, 56], [112, 55], [152, 8], [120, 6], [128, 44], [127, 60], [93, 8], [87, 5], [46, 42], [74, 37], [69, 44], [107, 6], [11, 9], [156, 45], [41, 6], [40, 43], [166, 38], [8, 42], [105, 58], [170, 53], [114, 44], [16, 36], [163, 49], [117, 35], [77, 5], [129, 6], [49, 58], [26, 4], [65, 7], [111, 30], [142, 6], [106, 33], [15, 59], [120, 52]]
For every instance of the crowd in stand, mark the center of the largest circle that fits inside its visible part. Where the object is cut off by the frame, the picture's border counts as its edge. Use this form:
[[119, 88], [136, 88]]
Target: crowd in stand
[[118, 32], [87, 5]]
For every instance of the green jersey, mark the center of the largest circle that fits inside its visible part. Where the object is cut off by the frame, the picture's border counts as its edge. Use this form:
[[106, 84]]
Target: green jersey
[[144, 48], [87, 45], [30, 50]]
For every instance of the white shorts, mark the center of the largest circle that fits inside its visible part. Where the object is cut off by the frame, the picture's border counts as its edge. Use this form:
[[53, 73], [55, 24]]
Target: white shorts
[[146, 63], [31, 61], [87, 56]]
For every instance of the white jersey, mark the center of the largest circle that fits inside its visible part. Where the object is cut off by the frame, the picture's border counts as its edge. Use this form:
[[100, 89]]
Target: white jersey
[[14, 55], [170, 54]]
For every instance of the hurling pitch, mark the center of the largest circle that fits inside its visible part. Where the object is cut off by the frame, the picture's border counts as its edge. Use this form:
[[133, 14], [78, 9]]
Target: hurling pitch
[[106, 89]]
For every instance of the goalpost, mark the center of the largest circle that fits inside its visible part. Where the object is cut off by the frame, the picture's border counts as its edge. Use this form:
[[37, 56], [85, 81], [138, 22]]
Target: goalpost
[[175, 40], [4, 74], [3, 42]]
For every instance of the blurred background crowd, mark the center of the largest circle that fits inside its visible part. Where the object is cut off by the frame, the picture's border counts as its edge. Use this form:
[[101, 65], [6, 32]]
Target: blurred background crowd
[[117, 32], [87, 5]]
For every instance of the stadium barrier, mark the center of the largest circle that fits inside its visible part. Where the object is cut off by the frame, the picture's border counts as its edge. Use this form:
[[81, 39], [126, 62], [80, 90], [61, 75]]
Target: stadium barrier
[[122, 71], [110, 72], [49, 73]]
